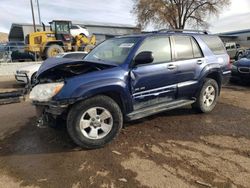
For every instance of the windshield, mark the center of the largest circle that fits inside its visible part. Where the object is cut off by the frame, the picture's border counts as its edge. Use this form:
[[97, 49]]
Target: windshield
[[114, 50]]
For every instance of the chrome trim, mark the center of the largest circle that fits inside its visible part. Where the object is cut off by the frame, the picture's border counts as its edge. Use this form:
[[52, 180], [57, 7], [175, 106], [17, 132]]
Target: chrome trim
[[187, 83], [155, 90], [152, 94], [227, 72], [244, 71], [161, 90]]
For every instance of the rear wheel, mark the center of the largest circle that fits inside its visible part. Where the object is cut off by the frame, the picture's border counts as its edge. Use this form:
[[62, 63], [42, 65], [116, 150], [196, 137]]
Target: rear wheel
[[207, 98], [53, 50], [94, 122]]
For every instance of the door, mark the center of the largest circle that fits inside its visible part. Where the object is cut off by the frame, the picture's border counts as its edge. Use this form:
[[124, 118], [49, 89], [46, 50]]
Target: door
[[189, 62], [154, 83]]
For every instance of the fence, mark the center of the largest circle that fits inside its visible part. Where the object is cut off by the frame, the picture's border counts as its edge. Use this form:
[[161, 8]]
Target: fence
[[16, 52]]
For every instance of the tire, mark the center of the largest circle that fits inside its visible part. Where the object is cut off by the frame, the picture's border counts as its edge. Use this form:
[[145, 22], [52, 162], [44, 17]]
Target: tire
[[207, 97], [239, 56], [33, 78], [89, 112], [53, 50]]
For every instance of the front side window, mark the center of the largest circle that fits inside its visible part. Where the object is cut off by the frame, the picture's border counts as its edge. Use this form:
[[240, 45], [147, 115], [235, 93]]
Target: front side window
[[114, 50], [159, 46]]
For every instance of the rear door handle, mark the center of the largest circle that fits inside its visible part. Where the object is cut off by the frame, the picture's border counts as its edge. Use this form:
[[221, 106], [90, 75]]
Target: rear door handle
[[199, 62], [171, 67]]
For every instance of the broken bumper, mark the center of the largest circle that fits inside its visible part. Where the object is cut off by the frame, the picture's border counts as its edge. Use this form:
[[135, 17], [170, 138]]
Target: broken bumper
[[53, 108]]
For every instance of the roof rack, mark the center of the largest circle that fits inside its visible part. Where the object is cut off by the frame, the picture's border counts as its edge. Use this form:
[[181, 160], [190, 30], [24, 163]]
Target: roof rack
[[182, 31]]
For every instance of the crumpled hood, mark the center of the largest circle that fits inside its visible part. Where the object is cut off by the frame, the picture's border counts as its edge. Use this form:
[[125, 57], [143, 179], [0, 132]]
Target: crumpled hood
[[244, 62], [53, 63]]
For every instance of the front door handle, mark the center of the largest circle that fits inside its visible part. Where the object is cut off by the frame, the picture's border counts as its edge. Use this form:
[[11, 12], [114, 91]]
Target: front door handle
[[171, 67]]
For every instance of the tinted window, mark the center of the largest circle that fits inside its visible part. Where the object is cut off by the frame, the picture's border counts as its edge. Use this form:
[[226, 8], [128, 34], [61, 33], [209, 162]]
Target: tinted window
[[183, 47], [160, 46], [114, 50], [214, 43], [196, 49]]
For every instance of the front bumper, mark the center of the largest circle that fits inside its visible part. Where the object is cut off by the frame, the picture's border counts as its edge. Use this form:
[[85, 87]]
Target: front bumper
[[52, 107], [236, 75]]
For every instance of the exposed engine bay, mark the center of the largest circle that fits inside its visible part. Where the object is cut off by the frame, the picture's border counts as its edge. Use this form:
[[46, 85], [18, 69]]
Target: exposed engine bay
[[66, 69]]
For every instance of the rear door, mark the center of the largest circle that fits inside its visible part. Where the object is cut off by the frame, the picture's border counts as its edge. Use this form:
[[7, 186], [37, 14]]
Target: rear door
[[189, 61], [154, 83]]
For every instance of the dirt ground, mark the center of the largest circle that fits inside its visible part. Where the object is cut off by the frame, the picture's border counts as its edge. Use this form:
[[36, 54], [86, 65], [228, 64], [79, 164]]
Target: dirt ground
[[179, 148]]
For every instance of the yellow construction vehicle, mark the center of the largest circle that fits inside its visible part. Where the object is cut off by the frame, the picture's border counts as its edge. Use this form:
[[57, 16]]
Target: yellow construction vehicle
[[58, 40]]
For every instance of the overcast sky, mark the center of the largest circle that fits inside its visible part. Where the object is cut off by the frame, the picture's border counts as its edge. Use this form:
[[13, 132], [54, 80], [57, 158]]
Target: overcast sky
[[235, 17]]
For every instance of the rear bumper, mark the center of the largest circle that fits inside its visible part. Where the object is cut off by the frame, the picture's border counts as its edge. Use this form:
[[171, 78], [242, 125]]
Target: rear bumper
[[226, 77]]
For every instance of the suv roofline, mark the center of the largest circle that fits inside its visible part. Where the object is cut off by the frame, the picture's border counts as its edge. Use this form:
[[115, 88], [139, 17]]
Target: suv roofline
[[169, 32], [184, 31]]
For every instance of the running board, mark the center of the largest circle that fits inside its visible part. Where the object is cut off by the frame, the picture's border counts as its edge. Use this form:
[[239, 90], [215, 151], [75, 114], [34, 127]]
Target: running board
[[141, 113]]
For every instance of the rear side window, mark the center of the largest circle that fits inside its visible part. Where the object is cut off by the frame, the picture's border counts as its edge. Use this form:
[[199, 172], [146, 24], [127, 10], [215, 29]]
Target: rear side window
[[214, 43], [186, 48], [159, 46], [196, 49]]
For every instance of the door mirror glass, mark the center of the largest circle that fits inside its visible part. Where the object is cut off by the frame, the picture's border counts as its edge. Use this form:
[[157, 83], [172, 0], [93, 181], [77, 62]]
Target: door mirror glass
[[145, 57]]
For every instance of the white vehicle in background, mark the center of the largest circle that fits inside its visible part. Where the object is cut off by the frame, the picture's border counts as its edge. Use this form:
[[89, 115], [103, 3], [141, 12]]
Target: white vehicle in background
[[27, 74], [77, 30]]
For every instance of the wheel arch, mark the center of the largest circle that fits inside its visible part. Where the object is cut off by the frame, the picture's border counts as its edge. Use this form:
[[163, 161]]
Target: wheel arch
[[214, 73], [119, 96]]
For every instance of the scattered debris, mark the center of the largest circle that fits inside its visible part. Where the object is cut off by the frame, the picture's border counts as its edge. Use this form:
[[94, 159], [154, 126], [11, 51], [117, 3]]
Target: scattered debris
[[123, 180], [76, 185], [204, 184], [42, 180], [77, 149], [116, 152]]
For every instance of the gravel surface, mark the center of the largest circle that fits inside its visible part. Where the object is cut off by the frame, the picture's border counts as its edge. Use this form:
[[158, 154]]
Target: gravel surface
[[179, 148]]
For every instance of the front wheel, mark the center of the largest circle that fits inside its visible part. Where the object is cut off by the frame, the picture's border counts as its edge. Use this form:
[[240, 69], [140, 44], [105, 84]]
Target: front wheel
[[33, 78], [94, 122], [207, 98]]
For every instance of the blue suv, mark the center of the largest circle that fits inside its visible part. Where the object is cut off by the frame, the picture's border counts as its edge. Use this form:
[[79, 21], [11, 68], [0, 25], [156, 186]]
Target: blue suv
[[128, 78]]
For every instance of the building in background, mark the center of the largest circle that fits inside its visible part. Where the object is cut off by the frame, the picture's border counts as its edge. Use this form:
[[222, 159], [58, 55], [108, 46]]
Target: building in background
[[241, 37], [19, 31]]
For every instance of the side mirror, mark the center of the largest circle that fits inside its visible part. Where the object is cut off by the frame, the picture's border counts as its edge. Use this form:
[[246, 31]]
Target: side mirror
[[145, 57]]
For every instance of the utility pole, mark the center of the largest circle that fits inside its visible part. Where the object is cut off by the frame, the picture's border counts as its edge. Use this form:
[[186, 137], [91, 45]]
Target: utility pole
[[33, 16], [39, 14]]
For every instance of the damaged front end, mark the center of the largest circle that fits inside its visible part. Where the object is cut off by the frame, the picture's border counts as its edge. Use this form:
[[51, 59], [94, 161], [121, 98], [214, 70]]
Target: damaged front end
[[51, 80]]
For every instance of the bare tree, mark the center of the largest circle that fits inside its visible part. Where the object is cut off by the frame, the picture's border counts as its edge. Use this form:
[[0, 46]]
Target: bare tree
[[176, 14]]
